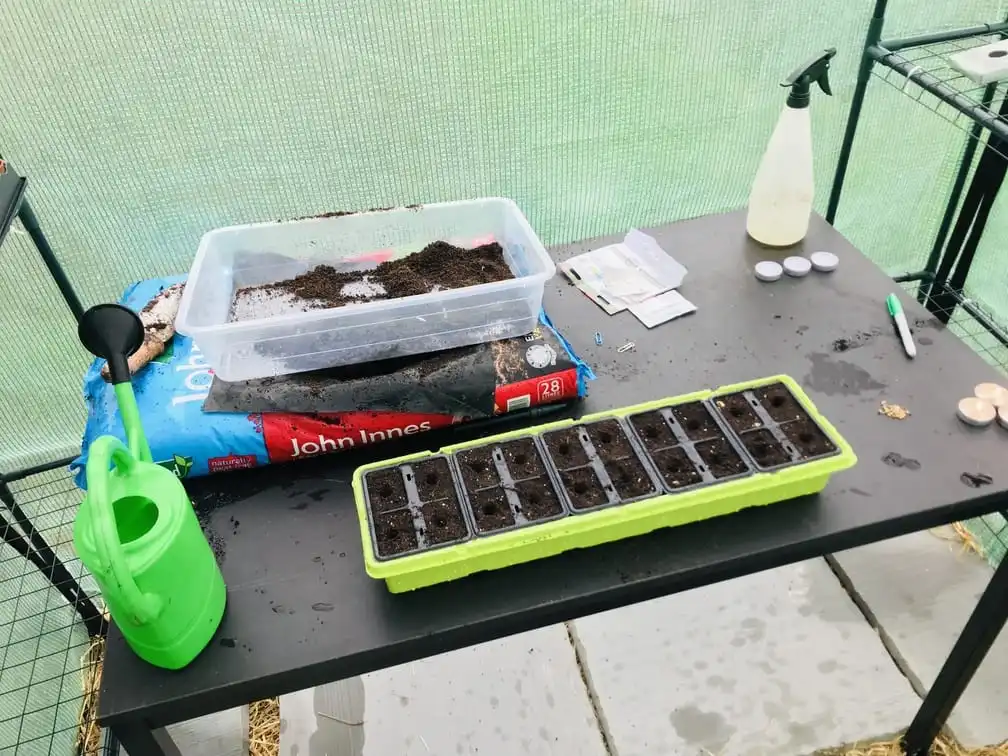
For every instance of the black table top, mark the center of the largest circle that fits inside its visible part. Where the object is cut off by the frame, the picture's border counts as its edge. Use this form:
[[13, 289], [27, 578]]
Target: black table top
[[294, 541]]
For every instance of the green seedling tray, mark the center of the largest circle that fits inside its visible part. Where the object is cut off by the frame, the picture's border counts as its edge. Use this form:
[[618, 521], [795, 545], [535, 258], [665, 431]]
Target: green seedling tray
[[578, 530]]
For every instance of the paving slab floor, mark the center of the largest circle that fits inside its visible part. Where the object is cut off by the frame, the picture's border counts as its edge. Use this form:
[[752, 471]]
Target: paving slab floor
[[783, 663]]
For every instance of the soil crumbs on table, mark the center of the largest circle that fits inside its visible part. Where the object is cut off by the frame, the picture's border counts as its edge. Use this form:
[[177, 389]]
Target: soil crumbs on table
[[808, 438], [394, 533], [721, 458], [433, 480], [537, 499], [522, 458], [565, 448], [491, 510], [437, 267], [653, 430], [584, 488], [696, 421], [764, 448], [629, 478], [386, 490], [676, 468], [443, 521]]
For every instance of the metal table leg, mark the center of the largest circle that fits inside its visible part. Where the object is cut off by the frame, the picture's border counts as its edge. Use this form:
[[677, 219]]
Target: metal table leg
[[977, 637], [137, 739]]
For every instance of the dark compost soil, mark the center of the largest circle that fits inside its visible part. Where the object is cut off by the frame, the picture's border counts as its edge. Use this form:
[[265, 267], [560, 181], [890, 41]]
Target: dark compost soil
[[491, 510], [394, 532], [653, 430], [537, 499], [565, 448], [584, 488], [386, 490], [807, 438], [609, 439], [736, 410], [433, 480], [439, 265], [780, 404], [444, 521], [478, 468], [676, 468], [629, 478], [522, 459], [721, 458], [764, 448], [696, 421]]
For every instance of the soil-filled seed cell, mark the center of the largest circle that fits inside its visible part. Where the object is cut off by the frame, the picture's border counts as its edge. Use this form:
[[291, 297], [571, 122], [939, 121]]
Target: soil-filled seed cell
[[394, 532], [386, 490], [653, 430], [565, 448], [696, 421], [491, 510], [433, 480], [522, 458], [444, 522], [676, 468], [807, 438], [478, 469], [780, 404], [721, 458], [740, 415], [764, 448], [629, 478], [537, 499], [609, 439], [584, 488]]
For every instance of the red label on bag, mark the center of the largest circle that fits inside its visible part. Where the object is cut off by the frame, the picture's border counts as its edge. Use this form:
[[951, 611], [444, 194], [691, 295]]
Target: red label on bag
[[547, 389], [289, 436]]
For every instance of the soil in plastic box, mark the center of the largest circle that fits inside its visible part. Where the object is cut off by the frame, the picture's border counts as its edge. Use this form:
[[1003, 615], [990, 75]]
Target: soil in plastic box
[[507, 485], [414, 507], [598, 465], [773, 426], [687, 446], [437, 267]]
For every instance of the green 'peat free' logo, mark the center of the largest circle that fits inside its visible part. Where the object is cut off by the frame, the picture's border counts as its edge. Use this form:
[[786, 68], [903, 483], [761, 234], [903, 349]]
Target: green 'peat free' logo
[[180, 466]]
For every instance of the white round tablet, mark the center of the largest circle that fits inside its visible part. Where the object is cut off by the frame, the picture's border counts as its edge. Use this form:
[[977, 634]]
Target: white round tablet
[[768, 270], [978, 412], [825, 262], [797, 266], [993, 393], [1003, 417]]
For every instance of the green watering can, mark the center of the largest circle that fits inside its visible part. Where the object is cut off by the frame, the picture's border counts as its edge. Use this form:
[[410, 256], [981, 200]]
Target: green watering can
[[136, 530]]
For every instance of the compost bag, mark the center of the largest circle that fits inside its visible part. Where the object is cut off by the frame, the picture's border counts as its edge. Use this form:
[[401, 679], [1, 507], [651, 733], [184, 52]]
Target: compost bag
[[197, 424]]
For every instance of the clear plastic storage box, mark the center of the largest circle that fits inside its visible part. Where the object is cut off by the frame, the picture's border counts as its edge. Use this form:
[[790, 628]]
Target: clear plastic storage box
[[275, 341]]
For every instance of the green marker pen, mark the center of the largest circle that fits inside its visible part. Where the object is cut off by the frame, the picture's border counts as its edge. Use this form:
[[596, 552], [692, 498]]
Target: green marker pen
[[896, 311]]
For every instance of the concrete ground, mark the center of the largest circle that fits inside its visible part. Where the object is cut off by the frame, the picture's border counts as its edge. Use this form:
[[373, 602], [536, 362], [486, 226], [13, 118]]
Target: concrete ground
[[787, 662]]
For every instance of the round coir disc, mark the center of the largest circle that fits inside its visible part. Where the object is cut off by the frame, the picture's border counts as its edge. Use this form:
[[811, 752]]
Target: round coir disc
[[824, 262], [993, 393], [768, 270], [978, 412], [797, 266]]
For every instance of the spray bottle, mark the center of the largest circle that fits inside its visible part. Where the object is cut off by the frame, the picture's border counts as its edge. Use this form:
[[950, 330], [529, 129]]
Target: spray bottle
[[780, 203]]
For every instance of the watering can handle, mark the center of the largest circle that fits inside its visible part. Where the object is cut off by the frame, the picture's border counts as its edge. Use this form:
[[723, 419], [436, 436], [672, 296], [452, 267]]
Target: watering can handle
[[104, 451]]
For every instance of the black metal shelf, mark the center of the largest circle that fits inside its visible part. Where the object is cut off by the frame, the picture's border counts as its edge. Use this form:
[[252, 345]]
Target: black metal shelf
[[920, 68], [12, 189]]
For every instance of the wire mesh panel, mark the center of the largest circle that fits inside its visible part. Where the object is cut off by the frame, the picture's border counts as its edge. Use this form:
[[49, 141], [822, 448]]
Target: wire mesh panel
[[49, 666]]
